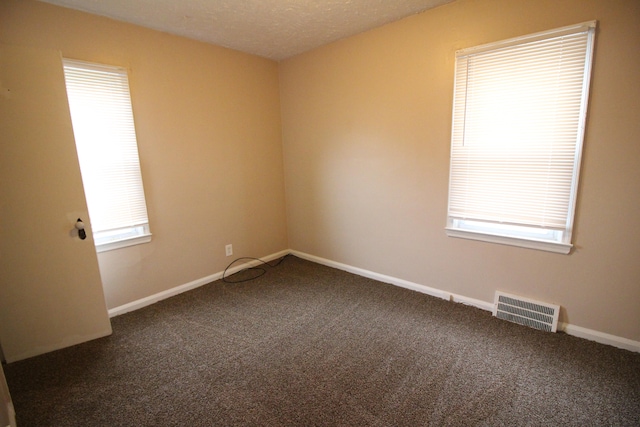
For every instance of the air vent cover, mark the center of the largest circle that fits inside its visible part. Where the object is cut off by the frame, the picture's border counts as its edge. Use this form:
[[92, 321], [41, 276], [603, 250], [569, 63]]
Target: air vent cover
[[527, 312]]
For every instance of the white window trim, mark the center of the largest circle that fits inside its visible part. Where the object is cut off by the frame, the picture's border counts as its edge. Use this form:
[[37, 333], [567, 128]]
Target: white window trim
[[456, 227]]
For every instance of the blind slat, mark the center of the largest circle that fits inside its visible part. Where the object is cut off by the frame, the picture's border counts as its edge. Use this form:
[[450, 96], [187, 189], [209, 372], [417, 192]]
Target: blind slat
[[516, 131], [104, 131]]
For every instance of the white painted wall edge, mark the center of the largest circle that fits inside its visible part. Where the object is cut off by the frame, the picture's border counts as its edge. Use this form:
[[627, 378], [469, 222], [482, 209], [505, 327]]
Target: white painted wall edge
[[7, 411], [12, 415], [569, 329], [151, 299]]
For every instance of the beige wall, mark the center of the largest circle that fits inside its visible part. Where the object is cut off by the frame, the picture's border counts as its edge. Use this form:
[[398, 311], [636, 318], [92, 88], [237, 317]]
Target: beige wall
[[208, 127], [366, 126], [366, 133]]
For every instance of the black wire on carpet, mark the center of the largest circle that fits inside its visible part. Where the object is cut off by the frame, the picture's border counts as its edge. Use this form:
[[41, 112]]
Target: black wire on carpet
[[260, 270]]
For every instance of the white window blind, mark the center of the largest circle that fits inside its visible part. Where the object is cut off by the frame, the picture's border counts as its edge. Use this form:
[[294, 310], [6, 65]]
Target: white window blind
[[104, 131], [518, 125]]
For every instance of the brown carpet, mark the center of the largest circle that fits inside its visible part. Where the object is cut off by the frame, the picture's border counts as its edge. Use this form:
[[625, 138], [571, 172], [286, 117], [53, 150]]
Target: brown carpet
[[308, 345]]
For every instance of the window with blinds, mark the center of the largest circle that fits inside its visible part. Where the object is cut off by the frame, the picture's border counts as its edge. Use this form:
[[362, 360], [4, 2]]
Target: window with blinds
[[104, 131], [518, 125]]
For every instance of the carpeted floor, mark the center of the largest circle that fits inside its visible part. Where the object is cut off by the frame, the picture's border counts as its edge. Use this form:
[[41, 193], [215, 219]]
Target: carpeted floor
[[308, 345]]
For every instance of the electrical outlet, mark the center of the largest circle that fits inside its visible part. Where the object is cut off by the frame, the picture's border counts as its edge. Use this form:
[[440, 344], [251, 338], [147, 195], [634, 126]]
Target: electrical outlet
[[229, 250]]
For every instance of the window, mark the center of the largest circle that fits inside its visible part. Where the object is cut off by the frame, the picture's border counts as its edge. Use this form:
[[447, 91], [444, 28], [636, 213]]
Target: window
[[518, 124], [104, 131]]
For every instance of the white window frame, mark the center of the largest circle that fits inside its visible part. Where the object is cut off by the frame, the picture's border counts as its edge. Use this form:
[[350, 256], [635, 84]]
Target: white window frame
[[104, 130], [472, 223]]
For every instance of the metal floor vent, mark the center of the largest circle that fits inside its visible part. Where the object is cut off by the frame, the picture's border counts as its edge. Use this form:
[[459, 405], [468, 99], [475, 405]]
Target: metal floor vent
[[527, 312]]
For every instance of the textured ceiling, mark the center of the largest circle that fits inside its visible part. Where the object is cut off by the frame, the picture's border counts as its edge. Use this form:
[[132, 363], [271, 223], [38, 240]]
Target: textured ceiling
[[275, 29]]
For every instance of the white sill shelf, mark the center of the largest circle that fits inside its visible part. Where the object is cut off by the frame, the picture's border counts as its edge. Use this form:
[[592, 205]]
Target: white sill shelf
[[561, 248], [104, 247]]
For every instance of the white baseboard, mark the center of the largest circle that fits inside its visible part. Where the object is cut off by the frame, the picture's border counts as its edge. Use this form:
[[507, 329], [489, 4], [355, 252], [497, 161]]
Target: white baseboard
[[601, 337], [376, 276], [151, 299], [569, 329], [484, 305]]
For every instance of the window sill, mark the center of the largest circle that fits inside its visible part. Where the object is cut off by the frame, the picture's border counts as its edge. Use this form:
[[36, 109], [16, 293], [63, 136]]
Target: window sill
[[561, 248], [119, 244]]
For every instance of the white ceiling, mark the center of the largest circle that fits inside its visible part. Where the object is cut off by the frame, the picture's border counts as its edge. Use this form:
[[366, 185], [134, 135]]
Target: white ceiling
[[275, 29]]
